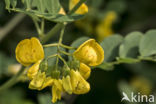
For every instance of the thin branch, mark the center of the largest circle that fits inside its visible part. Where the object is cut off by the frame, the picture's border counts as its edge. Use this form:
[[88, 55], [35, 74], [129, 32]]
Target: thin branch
[[11, 25]]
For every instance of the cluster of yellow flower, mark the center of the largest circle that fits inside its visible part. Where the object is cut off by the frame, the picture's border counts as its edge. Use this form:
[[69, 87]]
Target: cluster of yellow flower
[[30, 51], [101, 30]]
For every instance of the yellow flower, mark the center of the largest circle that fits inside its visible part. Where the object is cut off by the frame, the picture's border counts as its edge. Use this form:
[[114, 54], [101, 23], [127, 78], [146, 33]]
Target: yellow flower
[[48, 82], [62, 11], [104, 29], [33, 70], [90, 53], [40, 81], [57, 89], [29, 51], [37, 81], [79, 84], [81, 10], [67, 84], [84, 70]]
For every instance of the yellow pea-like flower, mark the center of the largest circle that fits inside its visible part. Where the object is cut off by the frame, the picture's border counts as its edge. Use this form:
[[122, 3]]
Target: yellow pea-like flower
[[90, 53], [84, 71], [104, 28], [66, 81], [37, 81], [33, 70], [79, 84], [29, 51], [57, 89], [81, 10]]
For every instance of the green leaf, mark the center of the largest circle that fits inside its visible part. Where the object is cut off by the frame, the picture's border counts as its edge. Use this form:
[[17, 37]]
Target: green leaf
[[147, 44], [50, 51], [41, 6], [53, 6], [51, 17], [111, 47], [130, 45], [77, 43], [7, 2]]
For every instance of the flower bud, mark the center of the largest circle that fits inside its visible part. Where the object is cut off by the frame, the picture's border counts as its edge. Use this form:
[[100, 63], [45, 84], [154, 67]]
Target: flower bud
[[43, 65], [55, 74]]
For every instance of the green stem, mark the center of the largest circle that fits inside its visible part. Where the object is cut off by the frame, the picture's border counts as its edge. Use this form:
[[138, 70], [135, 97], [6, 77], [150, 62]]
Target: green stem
[[63, 60], [61, 45], [58, 26], [68, 47], [61, 35], [12, 81], [42, 26], [52, 32], [51, 45], [51, 56], [66, 53], [37, 26]]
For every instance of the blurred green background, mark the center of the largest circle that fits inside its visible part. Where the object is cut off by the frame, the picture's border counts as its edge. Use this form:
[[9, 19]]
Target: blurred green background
[[106, 86]]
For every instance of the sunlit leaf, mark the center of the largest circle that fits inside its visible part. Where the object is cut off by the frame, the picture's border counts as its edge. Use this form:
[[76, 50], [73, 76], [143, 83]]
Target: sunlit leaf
[[111, 47], [147, 44], [53, 6], [130, 45]]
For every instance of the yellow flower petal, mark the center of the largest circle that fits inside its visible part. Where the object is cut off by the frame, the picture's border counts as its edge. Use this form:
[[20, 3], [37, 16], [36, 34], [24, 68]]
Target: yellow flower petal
[[81, 10], [84, 70], [33, 70], [38, 81], [62, 11], [48, 82], [79, 84], [90, 53], [29, 51], [57, 89], [67, 84]]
